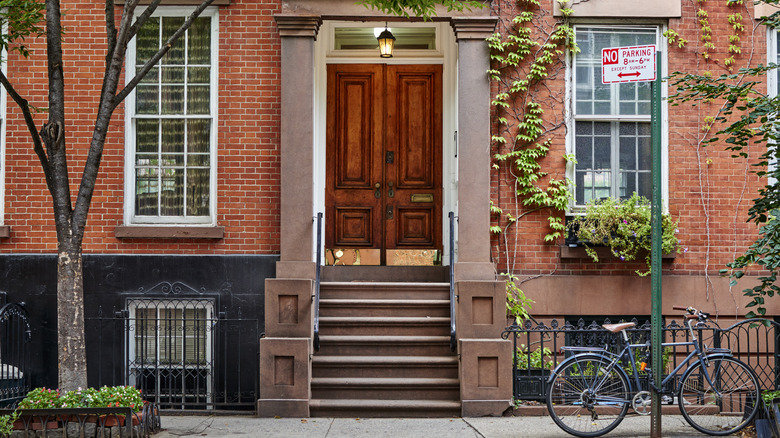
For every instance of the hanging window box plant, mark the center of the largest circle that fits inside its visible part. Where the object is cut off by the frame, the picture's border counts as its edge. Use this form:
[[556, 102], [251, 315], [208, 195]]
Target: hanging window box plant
[[623, 227]]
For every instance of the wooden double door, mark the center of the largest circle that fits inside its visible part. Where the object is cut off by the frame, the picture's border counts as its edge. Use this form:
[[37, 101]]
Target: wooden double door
[[384, 157]]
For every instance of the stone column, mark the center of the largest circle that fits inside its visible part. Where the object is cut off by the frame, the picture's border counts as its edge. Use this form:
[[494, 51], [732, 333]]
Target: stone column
[[485, 358], [298, 33], [285, 367], [473, 148]]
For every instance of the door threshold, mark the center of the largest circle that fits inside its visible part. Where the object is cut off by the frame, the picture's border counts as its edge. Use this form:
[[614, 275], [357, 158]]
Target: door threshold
[[407, 274]]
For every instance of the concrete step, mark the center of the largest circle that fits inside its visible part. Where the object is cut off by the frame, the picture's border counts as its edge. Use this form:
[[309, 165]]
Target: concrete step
[[385, 388], [384, 290], [442, 367], [384, 408], [382, 307], [385, 326], [335, 345]]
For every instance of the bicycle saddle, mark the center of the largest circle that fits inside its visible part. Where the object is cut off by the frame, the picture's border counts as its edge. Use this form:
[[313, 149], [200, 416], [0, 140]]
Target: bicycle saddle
[[614, 328]]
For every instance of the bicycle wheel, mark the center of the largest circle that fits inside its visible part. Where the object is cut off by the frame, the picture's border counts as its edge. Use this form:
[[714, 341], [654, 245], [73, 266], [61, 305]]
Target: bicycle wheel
[[585, 400], [724, 407]]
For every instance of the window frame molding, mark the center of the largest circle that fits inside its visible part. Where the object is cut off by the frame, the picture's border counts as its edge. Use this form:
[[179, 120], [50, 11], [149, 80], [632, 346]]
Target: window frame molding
[[570, 112], [772, 76], [131, 221]]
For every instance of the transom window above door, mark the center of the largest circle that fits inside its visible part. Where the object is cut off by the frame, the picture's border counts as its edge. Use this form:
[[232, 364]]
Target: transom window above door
[[348, 39]]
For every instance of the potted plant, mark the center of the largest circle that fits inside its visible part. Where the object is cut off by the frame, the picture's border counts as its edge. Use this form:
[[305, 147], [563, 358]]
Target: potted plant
[[623, 226]]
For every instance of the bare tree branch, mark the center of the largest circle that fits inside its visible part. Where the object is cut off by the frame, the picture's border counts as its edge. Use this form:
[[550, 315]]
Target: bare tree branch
[[163, 50], [30, 122], [143, 17]]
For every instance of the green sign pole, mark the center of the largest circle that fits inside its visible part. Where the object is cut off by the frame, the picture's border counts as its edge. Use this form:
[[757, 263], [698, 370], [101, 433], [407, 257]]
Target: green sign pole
[[655, 253]]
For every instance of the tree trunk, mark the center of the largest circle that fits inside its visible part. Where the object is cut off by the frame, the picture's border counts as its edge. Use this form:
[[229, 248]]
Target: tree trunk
[[70, 318]]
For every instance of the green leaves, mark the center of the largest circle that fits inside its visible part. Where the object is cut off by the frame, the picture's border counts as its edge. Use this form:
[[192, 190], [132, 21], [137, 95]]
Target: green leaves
[[521, 61], [419, 8], [24, 19], [624, 226]]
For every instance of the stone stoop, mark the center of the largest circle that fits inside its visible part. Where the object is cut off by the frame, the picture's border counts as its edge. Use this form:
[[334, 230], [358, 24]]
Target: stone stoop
[[384, 351]]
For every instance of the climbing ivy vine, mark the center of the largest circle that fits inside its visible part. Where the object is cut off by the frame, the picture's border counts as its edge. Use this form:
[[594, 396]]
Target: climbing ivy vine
[[521, 62], [527, 51]]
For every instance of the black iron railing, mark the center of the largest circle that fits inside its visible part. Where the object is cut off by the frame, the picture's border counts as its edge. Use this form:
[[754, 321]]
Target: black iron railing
[[316, 339], [181, 348], [537, 348], [453, 334], [15, 336]]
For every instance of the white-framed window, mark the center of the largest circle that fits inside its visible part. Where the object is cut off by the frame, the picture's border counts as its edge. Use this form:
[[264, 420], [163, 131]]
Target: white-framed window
[[171, 350], [171, 123], [610, 132], [773, 77]]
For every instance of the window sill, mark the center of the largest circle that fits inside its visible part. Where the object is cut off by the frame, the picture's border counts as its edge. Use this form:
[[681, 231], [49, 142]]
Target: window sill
[[162, 232], [5, 231], [578, 252]]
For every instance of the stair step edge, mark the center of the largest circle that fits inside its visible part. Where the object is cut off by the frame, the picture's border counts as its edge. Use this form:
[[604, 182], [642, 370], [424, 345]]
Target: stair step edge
[[383, 381], [384, 404], [385, 360], [384, 339], [375, 284]]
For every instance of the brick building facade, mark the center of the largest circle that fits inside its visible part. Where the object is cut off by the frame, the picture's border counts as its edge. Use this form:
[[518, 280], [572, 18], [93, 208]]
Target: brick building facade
[[216, 166]]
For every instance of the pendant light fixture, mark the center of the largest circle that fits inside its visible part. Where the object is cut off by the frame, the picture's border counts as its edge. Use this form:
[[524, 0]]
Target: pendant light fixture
[[386, 41]]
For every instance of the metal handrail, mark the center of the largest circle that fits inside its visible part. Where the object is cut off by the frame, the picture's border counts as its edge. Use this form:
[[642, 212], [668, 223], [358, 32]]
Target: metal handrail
[[317, 285], [453, 337]]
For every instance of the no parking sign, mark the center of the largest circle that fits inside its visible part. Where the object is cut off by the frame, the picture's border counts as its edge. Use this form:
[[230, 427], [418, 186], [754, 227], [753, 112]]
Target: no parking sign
[[628, 64]]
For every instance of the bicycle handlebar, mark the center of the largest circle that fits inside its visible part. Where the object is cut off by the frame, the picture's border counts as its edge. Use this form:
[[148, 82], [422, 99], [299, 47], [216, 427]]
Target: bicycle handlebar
[[692, 313]]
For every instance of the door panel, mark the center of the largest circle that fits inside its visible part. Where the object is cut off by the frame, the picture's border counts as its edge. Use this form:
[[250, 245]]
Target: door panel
[[413, 134], [384, 164], [354, 146]]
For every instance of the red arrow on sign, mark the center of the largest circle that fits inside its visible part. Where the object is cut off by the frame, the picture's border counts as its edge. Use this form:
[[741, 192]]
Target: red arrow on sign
[[622, 75]]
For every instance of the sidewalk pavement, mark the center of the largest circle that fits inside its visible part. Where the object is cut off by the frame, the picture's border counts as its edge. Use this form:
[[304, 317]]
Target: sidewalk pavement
[[673, 426]]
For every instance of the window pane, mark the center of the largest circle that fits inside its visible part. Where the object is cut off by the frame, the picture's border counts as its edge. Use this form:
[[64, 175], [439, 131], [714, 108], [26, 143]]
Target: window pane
[[198, 192], [199, 42], [146, 99], [198, 100], [172, 99], [172, 75], [146, 192], [172, 194], [176, 54], [198, 135], [147, 40], [198, 75]]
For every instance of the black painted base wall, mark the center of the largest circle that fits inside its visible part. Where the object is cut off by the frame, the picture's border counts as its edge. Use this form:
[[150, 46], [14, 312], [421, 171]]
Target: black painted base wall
[[236, 283]]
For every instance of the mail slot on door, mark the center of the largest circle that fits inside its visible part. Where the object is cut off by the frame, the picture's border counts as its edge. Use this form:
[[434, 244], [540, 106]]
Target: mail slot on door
[[422, 197]]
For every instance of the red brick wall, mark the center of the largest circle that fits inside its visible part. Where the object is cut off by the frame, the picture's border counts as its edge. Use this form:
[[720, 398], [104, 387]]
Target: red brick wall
[[709, 192], [248, 142]]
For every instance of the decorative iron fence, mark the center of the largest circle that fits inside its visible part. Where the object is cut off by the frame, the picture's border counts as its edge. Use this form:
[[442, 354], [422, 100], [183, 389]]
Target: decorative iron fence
[[183, 353], [15, 336], [538, 350]]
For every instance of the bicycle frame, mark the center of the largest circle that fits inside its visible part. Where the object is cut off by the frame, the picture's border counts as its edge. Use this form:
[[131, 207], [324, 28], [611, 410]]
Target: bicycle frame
[[628, 351]]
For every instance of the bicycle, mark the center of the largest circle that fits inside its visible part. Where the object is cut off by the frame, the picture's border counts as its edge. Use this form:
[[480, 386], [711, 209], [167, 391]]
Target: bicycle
[[590, 392]]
